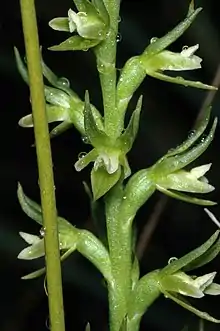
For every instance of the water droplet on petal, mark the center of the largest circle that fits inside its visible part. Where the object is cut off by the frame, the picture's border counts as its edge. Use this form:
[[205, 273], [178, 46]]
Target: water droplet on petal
[[81, 155], [172, 259], [42, 232], [64, 82], [118, 38], [203, 139], [185, 48], [119, 19], [124, 197], [153, 40]]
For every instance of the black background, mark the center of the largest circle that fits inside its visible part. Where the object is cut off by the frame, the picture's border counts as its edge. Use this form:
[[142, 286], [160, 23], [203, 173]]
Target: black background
[[168, 114]]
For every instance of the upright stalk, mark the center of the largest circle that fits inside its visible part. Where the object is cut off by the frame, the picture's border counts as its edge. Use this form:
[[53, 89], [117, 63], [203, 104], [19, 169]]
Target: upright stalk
[[106, 64], [54, 282]]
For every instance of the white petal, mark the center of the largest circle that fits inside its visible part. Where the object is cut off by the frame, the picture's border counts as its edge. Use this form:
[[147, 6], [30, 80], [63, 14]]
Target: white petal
[[32, 252], [205, 280], [200, 171], [189, 51], [29, 238]]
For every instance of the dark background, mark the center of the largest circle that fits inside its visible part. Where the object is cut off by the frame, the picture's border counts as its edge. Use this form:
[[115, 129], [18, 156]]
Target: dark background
[[168, 114]]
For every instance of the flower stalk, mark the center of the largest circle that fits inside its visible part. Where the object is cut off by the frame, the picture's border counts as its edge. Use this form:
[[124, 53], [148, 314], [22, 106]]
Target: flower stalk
[[44, 159]]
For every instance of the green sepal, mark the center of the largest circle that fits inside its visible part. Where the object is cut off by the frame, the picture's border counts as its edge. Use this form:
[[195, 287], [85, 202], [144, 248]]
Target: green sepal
[[85, 160], [181, 283], [54, 114], [100, 7], [61, 83], [180, 301], [179, 264], [62, 127], [185, 197], [94, 134], [205, 258], [31, 208], [197, 131], [160, 44], [21, 67], [125, 165], [212, 289], [60, 24], [180, 81], [42, 271], [57, 97], [75, 43], [168, 164], [34, 211], [127, 138], [191, 8], [102, 181]]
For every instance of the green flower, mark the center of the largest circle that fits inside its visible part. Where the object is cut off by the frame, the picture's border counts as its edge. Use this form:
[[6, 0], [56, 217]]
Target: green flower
[[36, 245], [91, 25], [174, 282], [156, 58], [108, 155], [36, 248], [168, 174], [62, 103], [70, 239]]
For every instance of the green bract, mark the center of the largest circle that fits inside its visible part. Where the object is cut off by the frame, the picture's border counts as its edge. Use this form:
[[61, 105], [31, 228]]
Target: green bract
[[91, 24]]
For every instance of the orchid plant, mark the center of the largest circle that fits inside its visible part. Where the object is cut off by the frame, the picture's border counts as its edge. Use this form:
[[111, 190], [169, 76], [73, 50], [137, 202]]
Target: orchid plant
[[93, 25]]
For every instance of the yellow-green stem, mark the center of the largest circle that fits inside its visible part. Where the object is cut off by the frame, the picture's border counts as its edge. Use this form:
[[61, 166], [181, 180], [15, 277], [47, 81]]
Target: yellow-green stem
[[54, 281], [106, 64]]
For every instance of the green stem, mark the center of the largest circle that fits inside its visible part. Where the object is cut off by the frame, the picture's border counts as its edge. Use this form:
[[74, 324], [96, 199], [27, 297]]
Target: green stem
[[120, 249], [106, 65], [54, 282]]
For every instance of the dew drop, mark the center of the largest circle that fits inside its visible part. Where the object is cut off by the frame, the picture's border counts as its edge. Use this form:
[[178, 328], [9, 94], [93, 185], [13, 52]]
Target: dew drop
[[81, 155], [191, 133], [153, 40], [119, 19], [185, 48], [101, 68], [172, 259], [118, 38], [85, 139], [85, 49], [42, 232], [124, 197], [63, 81], [203, 139]]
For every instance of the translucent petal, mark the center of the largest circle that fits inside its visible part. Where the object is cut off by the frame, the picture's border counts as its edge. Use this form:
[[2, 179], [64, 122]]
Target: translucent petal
[[30, 238], [33, 252]]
